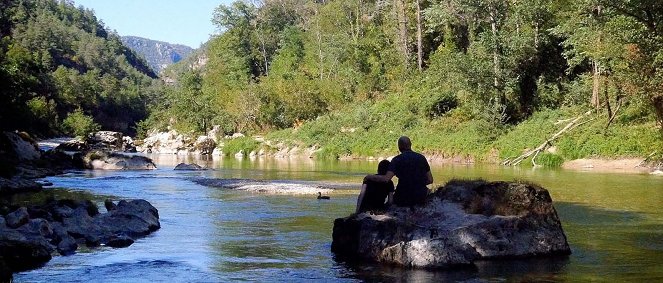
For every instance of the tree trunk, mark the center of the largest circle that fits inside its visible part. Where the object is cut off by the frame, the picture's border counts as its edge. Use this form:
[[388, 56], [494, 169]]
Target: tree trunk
[[496, 58], [318, 36], [401, 17], [607, 99], [596, 75], [420, 49]]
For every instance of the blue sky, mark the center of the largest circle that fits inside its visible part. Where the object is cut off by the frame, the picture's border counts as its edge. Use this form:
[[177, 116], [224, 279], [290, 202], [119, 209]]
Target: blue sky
[[173, 21]]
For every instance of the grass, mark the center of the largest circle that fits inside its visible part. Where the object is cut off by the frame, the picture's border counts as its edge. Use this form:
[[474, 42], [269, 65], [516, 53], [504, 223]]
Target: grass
[[243, 144], [367, 130]]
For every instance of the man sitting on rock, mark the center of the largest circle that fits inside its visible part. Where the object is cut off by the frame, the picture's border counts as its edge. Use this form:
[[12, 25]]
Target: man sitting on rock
[[413, 174]]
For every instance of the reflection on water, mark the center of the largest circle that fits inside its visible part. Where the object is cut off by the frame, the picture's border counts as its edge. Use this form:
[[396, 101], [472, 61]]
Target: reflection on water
[[614, 224]]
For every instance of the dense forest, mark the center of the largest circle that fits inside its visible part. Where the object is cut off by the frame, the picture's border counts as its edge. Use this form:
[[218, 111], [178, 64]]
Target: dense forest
[[482, 78], [350, 75], [63, 72]]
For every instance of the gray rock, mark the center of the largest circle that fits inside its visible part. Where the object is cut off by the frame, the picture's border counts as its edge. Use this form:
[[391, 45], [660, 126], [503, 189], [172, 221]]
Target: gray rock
[[462, 222], [102, 160], [73, 145], [23, 252], [188, 167], [18, 185], [24, 147], [109, 139], [109, 205], [134, 218], [67, 245], [3, 223], [37, 228], [120, 241], [204, 145], [17, 218]]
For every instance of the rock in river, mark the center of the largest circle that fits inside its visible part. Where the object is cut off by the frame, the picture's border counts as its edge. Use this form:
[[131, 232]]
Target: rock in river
[[460, 223], [102, 160], [188, 167], [29, 242]]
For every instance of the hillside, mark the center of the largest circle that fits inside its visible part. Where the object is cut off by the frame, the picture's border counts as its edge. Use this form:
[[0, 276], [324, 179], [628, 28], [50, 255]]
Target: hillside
[[62, 72], [158, 54], [351, 76]]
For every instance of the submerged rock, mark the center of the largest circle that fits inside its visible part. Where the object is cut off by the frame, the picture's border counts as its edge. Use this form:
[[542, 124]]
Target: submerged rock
[[265, 187], [460, 223], [188, 167]]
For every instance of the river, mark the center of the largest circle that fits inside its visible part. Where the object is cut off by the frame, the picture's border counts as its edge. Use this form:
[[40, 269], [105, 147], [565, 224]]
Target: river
[[614, 224]]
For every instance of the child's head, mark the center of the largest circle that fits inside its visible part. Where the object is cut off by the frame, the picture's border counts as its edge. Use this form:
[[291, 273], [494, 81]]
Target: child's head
[[383, 167]]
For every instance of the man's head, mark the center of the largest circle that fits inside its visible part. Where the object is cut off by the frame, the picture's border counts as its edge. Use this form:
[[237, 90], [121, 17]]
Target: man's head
[[404, 144]]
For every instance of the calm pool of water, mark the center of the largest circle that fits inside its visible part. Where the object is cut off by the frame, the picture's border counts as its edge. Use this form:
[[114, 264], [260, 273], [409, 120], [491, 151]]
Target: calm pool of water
[[614, 223]]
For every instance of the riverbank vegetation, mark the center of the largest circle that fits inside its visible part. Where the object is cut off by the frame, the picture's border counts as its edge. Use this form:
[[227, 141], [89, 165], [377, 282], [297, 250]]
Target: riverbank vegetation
[[498, 81], [59, 66], [485, 79]]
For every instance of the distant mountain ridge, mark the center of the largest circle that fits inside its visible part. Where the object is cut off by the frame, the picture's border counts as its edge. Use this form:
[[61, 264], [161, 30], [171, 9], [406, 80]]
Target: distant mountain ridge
[[158, 54]]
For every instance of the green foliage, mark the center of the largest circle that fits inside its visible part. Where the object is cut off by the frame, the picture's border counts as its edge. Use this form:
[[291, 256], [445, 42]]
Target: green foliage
[[495, 76], [243, 144], [79, 124], [56, 58]]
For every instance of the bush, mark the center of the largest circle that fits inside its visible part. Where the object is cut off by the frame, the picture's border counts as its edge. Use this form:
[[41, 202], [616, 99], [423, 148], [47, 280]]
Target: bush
[[79, 124], [243, 144]]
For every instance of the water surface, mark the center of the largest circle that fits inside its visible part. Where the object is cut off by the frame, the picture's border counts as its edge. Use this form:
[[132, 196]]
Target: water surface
[[614, 224]]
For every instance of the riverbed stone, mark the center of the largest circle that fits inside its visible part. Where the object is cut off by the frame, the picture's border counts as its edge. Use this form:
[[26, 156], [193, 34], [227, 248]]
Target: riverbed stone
[[103, 160], [133, 218], [204, 145], [67, 245], [18, 217], [22, 252], [188, 167], [460, 223], [120, 241]]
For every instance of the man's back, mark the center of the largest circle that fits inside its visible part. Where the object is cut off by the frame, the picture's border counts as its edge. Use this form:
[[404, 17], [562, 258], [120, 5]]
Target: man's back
[[412, 169]]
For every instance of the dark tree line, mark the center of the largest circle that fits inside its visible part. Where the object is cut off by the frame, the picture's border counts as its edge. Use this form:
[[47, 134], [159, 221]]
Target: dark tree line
[[57, 60]]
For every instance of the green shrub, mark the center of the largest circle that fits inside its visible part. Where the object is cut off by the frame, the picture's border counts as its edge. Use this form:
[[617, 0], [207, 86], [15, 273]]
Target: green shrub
[[243, 144], [549, 160], [79, 124]]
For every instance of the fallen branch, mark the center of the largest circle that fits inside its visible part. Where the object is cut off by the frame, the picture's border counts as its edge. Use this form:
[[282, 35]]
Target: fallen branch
[[549, 141]]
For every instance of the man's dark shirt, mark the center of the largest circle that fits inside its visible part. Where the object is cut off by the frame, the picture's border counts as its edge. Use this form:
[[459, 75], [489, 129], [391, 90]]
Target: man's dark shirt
[[376, 193], [412, 169]]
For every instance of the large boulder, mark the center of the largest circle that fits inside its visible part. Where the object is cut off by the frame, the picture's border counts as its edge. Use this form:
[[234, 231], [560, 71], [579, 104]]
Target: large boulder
[[23, 251], [24, 147], [103, 160], [73, 145], [106, 139], [17, 218], [134, 218], [204, 145], [17, 185], [165, 142], [460, 223]]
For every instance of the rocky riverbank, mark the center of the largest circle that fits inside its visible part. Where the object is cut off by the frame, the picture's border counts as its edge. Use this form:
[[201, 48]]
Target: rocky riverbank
[[460, 223], [30, 235]]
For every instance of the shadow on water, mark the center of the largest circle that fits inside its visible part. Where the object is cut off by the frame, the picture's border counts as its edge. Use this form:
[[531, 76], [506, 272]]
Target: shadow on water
[[529, 270]]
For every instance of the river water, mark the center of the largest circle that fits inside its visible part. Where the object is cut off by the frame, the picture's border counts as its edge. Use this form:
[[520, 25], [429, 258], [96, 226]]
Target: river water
[[614, 224]]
